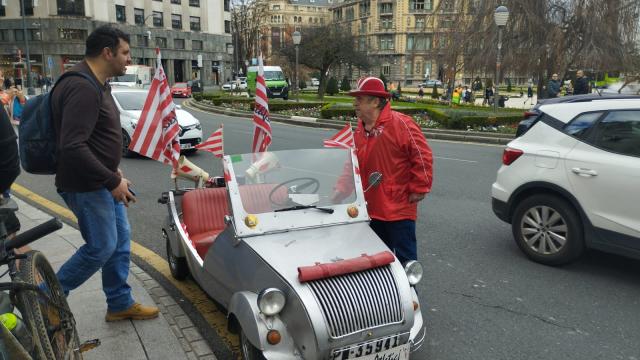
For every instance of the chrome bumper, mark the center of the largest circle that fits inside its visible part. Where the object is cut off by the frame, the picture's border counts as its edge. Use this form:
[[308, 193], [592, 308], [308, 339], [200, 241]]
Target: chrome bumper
[[417, 342]]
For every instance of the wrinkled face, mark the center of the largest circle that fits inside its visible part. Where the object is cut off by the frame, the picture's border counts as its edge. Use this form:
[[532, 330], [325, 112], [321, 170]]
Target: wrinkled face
[[366, 107], [120, 59]]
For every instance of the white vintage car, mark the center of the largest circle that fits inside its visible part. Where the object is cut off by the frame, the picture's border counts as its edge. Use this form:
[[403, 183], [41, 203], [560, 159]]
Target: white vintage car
[[302, 277]]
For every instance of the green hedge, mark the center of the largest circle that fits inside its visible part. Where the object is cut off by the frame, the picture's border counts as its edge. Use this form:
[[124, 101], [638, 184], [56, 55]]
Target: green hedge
[[274, 105]]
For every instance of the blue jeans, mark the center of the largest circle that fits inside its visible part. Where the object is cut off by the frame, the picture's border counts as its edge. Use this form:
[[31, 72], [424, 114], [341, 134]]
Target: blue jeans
[[399, 236], [105, 229]]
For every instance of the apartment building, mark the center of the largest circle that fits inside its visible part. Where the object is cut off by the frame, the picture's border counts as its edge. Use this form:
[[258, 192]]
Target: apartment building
[[56, 30], [406, 39], [287, 16]]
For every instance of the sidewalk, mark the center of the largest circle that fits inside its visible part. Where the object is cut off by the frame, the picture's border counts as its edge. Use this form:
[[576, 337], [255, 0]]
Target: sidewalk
[[170, 336]]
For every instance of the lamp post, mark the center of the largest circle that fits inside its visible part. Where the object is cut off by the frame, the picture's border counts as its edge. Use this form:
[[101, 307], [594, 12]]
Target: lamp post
[[297, 37], [500, 16], [230, 52], [30, 89], [44, 69]]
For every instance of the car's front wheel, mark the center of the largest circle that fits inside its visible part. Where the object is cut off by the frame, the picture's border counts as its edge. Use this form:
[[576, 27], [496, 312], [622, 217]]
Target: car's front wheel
[[548, 230], [177, 265], [249, 352], [126, 140]]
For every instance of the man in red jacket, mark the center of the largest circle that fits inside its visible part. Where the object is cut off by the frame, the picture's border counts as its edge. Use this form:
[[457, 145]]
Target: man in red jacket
[[391, 143]]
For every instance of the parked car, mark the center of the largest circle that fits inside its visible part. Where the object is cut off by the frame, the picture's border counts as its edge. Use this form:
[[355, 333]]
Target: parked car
[[181, 89], [429, 83], [315, 82], [531, 115], [130, 103], [571, 181], [301, 276], [227, 86]]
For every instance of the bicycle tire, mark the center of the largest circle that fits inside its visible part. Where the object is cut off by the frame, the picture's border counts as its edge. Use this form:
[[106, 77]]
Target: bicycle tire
[[51, 322]]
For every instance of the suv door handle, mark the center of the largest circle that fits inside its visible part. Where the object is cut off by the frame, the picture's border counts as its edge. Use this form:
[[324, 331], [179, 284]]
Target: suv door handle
[[584, 172]]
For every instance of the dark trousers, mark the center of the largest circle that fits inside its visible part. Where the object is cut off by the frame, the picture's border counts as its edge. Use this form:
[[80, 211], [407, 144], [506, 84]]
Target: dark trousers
[[399, 236]]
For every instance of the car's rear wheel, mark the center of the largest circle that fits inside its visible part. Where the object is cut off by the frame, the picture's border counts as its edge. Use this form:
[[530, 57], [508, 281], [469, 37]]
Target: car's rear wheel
[[177, 265], [126, 140], [249, 352], [548, 230]]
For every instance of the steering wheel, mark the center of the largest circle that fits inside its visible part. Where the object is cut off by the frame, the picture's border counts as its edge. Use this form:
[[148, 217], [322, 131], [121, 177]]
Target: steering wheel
[[306, 182]]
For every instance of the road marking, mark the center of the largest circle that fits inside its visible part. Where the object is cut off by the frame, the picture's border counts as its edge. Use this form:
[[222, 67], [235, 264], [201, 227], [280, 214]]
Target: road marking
[[214, 316], [454, 159]]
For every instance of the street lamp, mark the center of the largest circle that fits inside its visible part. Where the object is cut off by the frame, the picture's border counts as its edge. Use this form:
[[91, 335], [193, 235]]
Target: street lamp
[[230, 52], [30, 89], [500, 16], [297, 37], [44, 69]]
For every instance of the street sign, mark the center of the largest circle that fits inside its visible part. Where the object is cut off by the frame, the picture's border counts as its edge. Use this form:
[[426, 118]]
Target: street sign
[[49, 62], [199, 60]]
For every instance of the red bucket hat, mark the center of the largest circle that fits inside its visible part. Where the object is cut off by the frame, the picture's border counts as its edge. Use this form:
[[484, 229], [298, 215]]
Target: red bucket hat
[[370, 86]]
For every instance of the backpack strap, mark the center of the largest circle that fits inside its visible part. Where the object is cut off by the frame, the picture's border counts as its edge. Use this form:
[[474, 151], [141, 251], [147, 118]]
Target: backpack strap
[[81, 74]]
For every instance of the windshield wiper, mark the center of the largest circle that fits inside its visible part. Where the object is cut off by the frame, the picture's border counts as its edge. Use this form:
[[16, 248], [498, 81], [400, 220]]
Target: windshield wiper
[[301, 207]]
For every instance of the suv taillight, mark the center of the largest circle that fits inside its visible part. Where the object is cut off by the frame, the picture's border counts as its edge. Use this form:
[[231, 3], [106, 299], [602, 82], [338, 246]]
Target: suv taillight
[[510, 155], [528, 114]]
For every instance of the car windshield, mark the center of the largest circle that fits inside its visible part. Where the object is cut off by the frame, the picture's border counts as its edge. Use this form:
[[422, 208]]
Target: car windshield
[[273, 75], [133, 100], [124, 78], [180, 85], [292, 179]]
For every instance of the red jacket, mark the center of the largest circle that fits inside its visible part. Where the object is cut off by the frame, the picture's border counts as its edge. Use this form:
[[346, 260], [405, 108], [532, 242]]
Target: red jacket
[[397, 148]]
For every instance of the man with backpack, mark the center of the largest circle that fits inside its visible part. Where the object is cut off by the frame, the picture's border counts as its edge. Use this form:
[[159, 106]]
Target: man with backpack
[[89, 141]]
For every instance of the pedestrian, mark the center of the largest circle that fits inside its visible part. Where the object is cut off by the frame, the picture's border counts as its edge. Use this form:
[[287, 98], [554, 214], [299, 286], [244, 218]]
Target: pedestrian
[[7, 82], [582, 84], [488, 96], [553, 87], [87, 124], [16, 105], [391, 143], [420, 92], [9, 165]]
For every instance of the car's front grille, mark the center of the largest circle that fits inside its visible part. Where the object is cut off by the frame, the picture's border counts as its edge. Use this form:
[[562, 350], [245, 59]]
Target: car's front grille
[[358, 301]]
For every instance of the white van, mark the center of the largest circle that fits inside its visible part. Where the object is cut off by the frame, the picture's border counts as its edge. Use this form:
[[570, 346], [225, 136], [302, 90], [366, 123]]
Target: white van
[[138, 76]]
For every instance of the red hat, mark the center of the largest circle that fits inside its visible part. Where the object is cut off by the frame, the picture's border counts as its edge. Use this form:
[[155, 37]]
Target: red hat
[[370, 86]]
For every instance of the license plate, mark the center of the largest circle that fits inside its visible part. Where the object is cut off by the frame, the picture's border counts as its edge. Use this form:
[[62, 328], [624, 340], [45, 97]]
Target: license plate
[[185, 146], [380, 349], [276, 93]]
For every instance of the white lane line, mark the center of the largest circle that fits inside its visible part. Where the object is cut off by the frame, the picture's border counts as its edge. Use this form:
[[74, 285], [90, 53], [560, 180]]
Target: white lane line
[[446, 158]]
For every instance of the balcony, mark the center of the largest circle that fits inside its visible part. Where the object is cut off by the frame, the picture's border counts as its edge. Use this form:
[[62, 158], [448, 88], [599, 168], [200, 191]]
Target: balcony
[[384, 30], [420, 11]]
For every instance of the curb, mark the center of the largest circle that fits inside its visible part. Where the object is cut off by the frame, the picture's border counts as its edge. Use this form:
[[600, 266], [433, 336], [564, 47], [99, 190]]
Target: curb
[[435, 134]]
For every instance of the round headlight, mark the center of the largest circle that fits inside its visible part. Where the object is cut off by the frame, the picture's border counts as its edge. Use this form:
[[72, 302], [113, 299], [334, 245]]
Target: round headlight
[[414, 272], [271, 301]]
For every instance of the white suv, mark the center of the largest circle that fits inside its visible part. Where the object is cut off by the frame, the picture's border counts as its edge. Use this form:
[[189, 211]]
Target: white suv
[[573, 181]]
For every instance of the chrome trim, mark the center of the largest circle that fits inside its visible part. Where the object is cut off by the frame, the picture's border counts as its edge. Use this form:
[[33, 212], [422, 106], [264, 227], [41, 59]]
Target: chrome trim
[[417, 342], [359, 301]]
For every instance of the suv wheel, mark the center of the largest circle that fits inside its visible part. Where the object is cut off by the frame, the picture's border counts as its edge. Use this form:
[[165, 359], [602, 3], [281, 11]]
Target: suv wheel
[[548, 230]]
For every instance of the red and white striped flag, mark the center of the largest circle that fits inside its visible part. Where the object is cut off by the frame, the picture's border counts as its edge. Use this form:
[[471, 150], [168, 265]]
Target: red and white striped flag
[[213, 144], [343, 139], [262, 129], [156, 134]]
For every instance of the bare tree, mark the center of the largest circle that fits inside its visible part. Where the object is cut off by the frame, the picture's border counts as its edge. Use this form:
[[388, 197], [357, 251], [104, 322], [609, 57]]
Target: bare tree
[[325, 47], [248, 17]]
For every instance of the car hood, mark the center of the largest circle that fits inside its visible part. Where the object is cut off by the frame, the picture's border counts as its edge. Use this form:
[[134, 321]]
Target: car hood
[[287, 251], [184, 118]]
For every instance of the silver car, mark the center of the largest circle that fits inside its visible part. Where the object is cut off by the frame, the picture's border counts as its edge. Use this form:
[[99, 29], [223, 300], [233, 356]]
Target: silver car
[[130, 103], [301, 274]]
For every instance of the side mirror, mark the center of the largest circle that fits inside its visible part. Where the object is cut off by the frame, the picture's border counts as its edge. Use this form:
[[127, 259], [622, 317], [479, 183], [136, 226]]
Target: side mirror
[[375, 178]]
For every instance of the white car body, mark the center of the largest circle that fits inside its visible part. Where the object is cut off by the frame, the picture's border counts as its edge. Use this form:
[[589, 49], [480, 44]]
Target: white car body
[[315, 82], [595, 172], [190, 128]]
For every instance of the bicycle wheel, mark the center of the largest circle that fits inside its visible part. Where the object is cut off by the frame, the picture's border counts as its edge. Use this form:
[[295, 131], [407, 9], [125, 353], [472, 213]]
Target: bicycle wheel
[[50, 321]]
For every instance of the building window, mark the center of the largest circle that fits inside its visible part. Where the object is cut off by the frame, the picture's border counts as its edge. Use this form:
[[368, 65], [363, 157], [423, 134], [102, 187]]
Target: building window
[[120, 14], [386, 22], [448, 5], [72, 34], [32, 34], [227, 26], [350, 13], [194, 3], [178, 44], [386, 69], [142, 40], [418, 42], [276, 7], [176, 2], [227, 5], [67, 7], [365, 8], [28, 7], [416, 5], [138, 16], [158, 19], [419, 23], [176, 21], [161, 42], [196, 44], [386, 8], [4, 35], [386, 42], [3, 12], [446, 22], [194, 23]]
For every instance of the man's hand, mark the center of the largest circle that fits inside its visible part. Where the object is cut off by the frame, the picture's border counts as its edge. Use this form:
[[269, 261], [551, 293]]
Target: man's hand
[[121, 192], [415, 197]]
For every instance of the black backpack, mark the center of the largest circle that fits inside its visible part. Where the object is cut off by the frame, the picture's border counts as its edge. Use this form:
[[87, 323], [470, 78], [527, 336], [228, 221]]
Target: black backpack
[[36, 134]]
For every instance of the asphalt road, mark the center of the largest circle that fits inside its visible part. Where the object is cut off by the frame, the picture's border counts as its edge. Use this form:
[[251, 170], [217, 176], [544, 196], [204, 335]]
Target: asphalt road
[[481, 298]]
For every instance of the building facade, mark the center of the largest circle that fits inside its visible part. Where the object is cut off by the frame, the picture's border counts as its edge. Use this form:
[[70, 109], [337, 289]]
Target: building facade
[[56, 30]]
